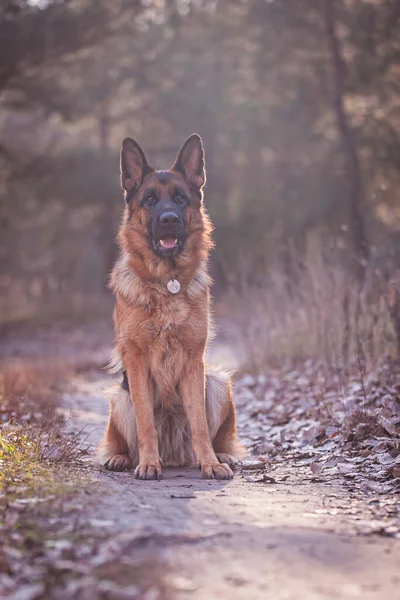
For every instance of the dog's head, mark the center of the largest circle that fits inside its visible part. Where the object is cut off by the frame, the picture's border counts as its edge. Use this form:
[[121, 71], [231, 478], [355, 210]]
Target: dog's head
[[164, 208]]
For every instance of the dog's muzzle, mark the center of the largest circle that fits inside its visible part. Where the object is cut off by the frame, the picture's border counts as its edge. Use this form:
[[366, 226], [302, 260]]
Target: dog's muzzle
[[168, 232]]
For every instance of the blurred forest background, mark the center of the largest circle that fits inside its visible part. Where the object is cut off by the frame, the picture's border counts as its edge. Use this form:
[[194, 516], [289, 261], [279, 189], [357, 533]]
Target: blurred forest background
[[297, 102]]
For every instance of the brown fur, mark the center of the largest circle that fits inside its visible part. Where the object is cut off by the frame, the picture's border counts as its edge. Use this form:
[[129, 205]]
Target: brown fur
[[175, 413]]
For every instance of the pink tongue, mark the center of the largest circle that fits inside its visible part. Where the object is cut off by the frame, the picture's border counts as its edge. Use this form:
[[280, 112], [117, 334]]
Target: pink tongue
[[168, 242]]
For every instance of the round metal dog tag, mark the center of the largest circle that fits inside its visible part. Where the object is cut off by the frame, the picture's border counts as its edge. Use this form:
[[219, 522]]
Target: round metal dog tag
[[173, 286]]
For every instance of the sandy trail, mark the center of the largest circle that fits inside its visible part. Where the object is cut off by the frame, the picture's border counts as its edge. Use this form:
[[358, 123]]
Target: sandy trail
[[231, 540]]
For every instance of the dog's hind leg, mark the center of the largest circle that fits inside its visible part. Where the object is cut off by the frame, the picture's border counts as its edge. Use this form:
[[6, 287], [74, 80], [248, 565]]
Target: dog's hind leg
[[118, 450], [222, 418]]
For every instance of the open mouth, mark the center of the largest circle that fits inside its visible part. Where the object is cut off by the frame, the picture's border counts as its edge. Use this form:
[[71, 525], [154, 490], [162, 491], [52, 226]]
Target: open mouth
[[167, 244]]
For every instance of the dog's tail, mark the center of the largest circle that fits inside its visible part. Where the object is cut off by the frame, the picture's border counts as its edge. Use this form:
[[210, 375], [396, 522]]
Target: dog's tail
[[221, 413], [115, 364]]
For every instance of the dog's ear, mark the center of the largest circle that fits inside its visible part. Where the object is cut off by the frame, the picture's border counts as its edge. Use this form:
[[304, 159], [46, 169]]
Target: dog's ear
[[134, 166], [190, 161]]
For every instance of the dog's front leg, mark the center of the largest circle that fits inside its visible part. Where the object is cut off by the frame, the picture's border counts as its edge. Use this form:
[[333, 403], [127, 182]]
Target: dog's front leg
[[140, 387], [193, 397]]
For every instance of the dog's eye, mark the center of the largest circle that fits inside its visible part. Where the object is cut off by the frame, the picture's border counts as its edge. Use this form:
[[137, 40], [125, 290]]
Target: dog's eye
[[149, 200], [181, 199]]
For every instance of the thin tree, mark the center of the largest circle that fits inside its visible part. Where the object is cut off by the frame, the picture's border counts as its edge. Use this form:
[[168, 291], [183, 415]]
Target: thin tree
[[356, 191]]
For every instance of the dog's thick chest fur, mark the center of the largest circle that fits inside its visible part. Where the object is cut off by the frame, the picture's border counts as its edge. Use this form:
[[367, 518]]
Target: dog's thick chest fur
[[164, 336]]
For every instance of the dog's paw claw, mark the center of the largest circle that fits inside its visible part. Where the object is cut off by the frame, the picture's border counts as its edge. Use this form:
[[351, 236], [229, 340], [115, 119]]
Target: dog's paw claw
[[216, 471], [148, 471], [118, 462]]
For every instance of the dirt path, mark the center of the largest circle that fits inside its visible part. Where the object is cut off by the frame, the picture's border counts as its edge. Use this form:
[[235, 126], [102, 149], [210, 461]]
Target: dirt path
[[229, 540]]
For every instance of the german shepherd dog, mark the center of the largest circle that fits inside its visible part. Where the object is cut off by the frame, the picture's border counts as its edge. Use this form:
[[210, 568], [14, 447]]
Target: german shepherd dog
[[169, 409]]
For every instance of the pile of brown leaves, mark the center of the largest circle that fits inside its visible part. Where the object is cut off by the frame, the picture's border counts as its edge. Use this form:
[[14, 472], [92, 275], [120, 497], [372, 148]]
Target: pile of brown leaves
[[336, 426]]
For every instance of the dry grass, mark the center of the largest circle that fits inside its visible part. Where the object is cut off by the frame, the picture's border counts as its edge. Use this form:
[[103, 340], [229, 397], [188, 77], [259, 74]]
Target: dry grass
[[28, 389], [317, 313], [31, 433]]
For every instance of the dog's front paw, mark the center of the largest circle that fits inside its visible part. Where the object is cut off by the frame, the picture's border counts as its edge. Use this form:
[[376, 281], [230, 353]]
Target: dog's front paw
[[216, 471], [147, 470], [118, 462]]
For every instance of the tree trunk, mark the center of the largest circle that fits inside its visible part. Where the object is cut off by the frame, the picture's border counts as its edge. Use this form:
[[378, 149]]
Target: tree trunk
[[356, 192]]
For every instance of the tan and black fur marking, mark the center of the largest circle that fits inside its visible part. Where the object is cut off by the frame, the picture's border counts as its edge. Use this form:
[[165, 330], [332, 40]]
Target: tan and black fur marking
[[172, 411]]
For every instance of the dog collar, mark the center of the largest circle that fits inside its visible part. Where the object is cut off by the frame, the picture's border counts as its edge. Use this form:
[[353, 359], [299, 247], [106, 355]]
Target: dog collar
[[173, 286]]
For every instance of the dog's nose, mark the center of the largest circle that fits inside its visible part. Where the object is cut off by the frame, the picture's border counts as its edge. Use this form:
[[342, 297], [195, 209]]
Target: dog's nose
[[168, 218]]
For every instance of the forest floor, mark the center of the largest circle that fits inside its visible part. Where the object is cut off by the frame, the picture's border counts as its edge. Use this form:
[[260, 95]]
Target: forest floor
[[312, 513]]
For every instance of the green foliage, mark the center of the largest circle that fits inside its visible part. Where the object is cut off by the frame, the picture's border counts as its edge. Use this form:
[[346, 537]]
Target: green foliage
[[19, 457]]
